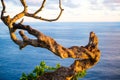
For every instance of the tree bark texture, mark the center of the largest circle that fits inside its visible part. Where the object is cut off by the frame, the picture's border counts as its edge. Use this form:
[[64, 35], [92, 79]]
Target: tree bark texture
[[85, 56]]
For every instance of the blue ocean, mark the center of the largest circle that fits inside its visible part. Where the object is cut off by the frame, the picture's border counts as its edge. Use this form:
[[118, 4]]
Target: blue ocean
[[13, 62]]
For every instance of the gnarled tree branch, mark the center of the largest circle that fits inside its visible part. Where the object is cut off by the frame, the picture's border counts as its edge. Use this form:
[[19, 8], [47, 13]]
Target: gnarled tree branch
[[85, 56]]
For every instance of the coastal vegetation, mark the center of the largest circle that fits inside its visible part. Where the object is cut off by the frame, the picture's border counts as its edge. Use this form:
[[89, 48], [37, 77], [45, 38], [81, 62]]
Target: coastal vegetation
[[44, 68]]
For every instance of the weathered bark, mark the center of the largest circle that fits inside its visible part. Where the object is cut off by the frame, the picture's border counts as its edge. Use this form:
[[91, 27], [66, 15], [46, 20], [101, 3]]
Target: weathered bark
[[85, 56]]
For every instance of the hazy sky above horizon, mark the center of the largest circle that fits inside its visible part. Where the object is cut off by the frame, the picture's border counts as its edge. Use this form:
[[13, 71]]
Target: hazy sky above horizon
[[74, 10]]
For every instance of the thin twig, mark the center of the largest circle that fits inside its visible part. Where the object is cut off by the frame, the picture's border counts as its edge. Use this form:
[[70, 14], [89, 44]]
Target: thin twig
[[44, 19], [3, 10], [40, 9]]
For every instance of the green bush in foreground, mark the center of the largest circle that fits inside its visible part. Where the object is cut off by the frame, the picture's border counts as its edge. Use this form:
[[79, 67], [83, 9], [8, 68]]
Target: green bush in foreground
[[42, 68]]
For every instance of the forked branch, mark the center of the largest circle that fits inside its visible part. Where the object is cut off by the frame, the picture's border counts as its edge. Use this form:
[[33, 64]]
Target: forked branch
[[44, 19], [86, 56], [26, 13], [10, 21]]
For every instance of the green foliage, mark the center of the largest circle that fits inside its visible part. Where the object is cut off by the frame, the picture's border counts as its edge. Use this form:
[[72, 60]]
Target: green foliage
[[38, 71], [79, 75], [42, 68]]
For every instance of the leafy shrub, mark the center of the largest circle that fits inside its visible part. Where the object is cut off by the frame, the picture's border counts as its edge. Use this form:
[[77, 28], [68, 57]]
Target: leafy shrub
[[42, 68], [38, 71]]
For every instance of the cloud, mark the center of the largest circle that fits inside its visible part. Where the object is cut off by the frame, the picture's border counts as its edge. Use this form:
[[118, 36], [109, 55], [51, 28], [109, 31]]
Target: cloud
[[112, 4], [112, 1], [103, 4], [71, 3], [90, 4]]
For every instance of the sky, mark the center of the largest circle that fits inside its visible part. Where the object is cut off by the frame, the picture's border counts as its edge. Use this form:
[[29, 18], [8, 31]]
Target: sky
[[74, 10]]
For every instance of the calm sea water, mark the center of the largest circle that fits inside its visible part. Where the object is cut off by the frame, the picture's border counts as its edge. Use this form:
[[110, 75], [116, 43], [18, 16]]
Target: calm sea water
[[14, 61]]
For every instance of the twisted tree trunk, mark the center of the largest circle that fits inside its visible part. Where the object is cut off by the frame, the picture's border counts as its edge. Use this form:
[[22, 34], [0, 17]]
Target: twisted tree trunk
[[85, 56]]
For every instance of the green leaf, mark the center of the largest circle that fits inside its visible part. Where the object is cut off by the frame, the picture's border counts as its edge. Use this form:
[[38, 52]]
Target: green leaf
[[23, 77], [42, 64], [58, 65]]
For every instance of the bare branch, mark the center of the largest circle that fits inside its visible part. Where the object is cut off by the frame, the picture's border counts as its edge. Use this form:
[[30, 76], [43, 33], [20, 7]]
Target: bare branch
[[50, 44], [24, 4], [21, 14], [21, 21], [5, 19], [25, 13], [87, 56], [40, 9], [44, 19], [3, 10]]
